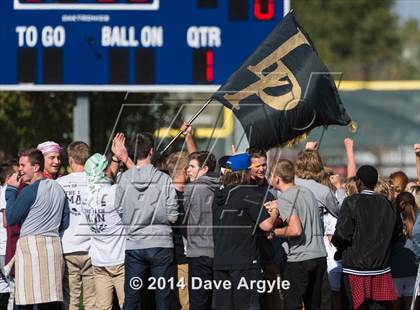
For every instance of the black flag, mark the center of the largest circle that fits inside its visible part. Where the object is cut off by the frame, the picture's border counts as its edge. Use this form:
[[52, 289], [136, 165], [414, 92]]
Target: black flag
[[283, 90]]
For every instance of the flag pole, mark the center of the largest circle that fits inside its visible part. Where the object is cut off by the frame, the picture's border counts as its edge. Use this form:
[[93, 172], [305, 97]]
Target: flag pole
[[190, 122]]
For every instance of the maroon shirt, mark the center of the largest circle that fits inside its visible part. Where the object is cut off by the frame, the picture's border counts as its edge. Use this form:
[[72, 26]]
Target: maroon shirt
[[13, 233]]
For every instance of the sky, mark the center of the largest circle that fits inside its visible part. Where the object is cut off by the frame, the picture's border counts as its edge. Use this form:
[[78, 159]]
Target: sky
[[407, 9]]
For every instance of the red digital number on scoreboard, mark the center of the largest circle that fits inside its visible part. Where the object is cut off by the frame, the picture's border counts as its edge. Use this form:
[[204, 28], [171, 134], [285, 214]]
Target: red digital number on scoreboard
[[264, 10]]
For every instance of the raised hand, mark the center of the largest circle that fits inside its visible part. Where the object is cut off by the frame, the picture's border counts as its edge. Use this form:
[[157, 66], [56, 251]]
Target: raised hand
[[271, 206], [311, 145], [417, 149], [186, 128], [351, 161], [348, 144], [14, 180], [118, 147]]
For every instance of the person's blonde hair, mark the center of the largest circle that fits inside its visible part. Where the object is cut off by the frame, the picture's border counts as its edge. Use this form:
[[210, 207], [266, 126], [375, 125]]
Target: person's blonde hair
[[384, 187], [325, 178], [400, 180], [79, 151], [284, 169], [351, 186], [309, 166], [176, 163]]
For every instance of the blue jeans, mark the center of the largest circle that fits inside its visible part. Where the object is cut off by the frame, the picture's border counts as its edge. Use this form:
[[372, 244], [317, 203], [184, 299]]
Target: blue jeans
[[156, 262], [200, 267]]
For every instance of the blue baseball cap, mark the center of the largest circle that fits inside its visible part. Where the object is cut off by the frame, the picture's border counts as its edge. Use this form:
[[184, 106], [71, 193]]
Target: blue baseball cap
[[239, 162]]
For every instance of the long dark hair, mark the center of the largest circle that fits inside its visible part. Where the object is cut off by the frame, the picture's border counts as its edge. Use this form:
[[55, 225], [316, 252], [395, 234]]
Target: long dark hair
[[242, 177], [407, 205]]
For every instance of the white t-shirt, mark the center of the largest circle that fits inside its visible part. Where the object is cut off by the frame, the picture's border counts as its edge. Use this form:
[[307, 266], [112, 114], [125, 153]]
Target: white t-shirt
[[329, 220], [4, 284], [108, 234], [3, 233], [76, 237], [333, 266]]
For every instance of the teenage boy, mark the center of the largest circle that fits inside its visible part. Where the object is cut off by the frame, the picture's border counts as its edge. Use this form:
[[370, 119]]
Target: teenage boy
[[306, 265], [273, 256], [52, 158], [42, 211], [365, 228], [198, 200], [148, 203], [78, 271], [239, 218]]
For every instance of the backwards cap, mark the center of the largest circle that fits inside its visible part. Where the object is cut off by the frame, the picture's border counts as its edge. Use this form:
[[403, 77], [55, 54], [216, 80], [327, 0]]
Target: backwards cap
[[239, 162]]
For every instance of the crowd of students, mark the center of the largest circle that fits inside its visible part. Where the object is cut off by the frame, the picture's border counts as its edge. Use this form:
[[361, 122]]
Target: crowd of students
[[186, 231]]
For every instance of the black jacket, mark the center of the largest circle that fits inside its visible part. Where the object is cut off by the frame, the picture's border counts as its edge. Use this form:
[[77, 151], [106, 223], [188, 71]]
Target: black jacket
[[237, 212], [366, 225]]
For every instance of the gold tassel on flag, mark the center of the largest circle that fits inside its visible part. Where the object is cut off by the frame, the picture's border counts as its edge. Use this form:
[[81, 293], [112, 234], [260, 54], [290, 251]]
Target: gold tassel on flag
[[353, 126], [296, 140]]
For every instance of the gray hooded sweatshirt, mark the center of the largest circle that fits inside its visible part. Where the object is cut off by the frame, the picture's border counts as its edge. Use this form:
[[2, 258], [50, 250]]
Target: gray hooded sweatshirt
[[198, 203], [147, 200]]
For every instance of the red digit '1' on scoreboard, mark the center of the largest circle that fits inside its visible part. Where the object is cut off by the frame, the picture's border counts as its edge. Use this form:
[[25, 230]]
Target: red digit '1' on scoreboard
[[203, 66]]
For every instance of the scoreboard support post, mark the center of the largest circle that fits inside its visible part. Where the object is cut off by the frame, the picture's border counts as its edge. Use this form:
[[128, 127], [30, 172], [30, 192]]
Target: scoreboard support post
[[81, 119]]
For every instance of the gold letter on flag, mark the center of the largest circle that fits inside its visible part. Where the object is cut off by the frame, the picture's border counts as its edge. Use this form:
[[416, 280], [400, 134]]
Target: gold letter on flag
[[280, 76]]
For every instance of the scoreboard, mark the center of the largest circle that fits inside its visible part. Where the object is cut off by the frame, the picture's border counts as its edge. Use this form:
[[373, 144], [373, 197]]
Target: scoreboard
[[155, 45]]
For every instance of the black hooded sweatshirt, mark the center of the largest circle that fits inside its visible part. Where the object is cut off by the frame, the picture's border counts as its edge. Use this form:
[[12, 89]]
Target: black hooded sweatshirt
[[237, 212]]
